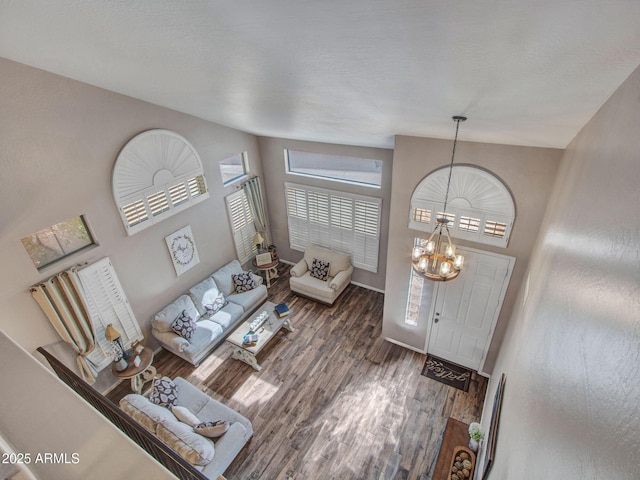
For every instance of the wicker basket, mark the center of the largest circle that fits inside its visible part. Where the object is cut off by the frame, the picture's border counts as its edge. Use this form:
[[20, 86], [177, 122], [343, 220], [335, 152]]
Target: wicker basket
[[472, 458]]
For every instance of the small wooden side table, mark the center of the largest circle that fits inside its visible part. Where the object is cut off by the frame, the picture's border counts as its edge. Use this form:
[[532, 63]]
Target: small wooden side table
[[270, 270], [141, 374]]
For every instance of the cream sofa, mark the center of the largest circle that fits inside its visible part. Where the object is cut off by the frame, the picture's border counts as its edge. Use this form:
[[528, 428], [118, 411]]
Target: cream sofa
[[211, 329], [340, 270], [210, 457]]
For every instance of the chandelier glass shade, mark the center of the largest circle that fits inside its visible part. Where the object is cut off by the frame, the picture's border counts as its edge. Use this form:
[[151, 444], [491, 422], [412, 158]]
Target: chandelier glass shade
[[436, 258]]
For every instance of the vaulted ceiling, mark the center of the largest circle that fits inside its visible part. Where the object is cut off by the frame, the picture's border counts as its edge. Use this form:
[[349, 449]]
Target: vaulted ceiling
[[354, 72]]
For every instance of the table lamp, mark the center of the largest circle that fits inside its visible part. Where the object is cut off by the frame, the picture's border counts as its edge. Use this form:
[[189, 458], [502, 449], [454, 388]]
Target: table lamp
[[114, 336], [257, 241]]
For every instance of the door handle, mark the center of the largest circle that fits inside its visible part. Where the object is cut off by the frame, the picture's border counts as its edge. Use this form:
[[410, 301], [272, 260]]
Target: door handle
[[436, 320]]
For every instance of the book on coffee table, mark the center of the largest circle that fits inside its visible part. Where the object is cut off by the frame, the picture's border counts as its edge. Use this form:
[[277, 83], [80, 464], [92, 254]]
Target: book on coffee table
[[281, 310], [250, 339]]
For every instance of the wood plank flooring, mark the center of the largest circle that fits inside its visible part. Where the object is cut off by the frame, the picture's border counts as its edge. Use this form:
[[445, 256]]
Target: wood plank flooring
[[333, 400]]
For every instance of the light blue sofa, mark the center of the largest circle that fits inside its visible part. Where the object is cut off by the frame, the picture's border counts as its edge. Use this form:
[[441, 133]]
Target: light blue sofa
[[211, 330]]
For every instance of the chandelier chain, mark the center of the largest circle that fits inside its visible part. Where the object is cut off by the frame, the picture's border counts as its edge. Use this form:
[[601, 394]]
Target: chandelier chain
[[430, 259], [453, 154]]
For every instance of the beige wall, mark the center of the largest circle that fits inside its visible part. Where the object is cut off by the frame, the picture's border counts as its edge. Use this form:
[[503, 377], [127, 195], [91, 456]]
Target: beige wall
[[529, 174], [58, 142], [571, 402], [272, 154], [35, 419]]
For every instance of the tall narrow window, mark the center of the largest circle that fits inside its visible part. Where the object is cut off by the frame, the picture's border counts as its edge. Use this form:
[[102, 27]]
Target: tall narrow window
[[416, 285], [336, 220], [233, 168], [242, 226]]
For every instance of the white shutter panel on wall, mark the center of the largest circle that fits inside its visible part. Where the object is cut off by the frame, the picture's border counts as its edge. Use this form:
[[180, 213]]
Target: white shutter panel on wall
[[297, 218], [242, 227], [107, 304], [318, 225], [366, 234], [342, 224]]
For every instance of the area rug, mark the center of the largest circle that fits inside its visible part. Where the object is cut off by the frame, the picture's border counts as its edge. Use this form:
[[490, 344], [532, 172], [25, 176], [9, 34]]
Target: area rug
[[447, 373]]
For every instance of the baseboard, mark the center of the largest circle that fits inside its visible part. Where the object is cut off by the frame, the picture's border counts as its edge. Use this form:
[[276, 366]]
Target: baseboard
[[404, 345], [368, 287]]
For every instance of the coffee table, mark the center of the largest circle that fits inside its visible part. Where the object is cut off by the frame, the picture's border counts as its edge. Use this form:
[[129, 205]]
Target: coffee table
[[265, 333]]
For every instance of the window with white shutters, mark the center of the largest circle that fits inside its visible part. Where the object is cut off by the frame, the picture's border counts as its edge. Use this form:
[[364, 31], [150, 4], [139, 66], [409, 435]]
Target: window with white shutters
[[336, 220], [157, 174], [197, 186], [480, 208], [158, 203], [242, 226], [178, 193], [107, 304]]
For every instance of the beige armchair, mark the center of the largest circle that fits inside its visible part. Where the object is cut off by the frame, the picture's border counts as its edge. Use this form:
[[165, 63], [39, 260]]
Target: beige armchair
[[325, 291]]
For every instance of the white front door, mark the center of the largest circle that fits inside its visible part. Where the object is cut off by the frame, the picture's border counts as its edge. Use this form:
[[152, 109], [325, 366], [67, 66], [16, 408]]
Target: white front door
[[465, 310]]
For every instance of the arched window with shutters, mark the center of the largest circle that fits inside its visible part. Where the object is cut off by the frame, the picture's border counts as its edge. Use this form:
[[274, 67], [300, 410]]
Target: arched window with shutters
[[480, 206], [157, 174]]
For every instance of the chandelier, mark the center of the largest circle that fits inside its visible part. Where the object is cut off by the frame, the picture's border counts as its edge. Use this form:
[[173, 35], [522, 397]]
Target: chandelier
[[436, 259]]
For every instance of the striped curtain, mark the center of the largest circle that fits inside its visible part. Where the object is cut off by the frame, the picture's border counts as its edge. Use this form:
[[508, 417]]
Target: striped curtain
[[253, 193], [61, 298]]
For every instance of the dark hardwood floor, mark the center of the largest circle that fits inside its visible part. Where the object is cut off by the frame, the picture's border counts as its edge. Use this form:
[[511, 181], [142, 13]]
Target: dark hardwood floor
[[333, 400]]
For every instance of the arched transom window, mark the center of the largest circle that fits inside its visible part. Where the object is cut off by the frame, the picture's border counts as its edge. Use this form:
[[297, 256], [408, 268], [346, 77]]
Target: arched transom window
[[157, 174], [480, 207]]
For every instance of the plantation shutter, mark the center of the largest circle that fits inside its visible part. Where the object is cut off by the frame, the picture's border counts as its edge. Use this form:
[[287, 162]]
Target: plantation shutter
[[297, 218], [336, 220], [242, 227], [366, 234], [107, 304], [318, 225], [342, 224]]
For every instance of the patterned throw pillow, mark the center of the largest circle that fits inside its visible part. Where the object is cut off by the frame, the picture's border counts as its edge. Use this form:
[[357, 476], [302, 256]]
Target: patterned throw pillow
[[211, 429], [320, 269], [243, 282], [184, 325], [216, 305], [165, 392]]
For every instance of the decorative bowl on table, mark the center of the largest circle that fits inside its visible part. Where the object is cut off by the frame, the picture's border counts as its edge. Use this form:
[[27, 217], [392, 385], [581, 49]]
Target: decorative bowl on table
[[463, 461]]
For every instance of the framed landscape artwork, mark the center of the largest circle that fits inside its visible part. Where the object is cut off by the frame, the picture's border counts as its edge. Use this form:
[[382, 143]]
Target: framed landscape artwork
[[492, 436]]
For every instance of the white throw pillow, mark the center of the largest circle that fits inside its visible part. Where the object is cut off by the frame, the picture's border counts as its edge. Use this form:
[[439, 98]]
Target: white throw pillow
[[204, 293], [184, 415]]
